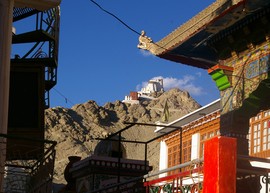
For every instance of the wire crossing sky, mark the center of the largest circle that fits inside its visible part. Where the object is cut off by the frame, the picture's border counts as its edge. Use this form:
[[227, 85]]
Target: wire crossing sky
[[116, 18]]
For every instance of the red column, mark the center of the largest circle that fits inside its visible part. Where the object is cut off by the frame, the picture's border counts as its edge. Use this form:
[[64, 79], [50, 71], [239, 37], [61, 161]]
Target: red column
[[220, 165]]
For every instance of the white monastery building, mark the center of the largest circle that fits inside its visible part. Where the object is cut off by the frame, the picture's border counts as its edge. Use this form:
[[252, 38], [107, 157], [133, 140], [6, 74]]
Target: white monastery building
[[154, 85]]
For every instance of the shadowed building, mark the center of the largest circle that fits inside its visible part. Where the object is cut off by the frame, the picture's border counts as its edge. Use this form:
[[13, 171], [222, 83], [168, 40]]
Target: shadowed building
[[25, 81]]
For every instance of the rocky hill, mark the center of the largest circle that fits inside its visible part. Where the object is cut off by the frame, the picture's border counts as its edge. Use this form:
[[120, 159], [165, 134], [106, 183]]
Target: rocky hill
[[75, 130]]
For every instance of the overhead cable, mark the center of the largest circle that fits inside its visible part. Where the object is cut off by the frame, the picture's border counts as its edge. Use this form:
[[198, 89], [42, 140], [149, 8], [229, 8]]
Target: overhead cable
[[116, 17], [66, 99]]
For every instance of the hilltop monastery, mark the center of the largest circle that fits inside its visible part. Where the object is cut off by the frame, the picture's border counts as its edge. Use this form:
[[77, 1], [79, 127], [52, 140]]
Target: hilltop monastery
[[153, 86]]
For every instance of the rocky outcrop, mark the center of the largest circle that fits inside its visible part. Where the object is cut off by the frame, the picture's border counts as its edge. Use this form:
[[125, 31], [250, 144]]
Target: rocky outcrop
[[76, 129]]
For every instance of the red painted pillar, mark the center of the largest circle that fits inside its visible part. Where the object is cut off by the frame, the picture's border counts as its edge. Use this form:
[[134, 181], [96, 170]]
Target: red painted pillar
[[220, 165]]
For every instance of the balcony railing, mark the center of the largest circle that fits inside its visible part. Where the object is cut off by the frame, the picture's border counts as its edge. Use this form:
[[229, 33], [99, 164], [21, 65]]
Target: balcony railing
[[182, 182], [188, 181], [28, 175], [191, 180], [257, 168]]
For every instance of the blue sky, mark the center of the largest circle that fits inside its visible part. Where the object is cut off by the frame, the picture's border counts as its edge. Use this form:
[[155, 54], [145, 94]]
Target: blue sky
[[99, 59]]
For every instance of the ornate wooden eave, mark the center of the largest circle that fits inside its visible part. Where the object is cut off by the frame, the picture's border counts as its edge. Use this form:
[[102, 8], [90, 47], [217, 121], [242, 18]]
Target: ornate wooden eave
[[189, 43]]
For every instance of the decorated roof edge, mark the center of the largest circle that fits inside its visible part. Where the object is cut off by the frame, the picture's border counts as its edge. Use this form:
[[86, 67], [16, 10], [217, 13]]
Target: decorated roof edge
[[187, 29]]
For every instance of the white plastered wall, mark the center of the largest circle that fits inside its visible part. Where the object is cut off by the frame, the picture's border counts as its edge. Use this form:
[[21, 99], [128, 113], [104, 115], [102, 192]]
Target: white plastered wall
[[195, 146], [163, 157]]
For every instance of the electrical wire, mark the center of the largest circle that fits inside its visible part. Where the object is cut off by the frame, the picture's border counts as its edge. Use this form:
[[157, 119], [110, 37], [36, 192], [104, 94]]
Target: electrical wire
[[62, 95], [121, 21], [130, 28]]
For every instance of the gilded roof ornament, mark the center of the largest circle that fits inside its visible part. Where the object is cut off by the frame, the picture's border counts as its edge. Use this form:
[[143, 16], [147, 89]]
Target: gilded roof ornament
[[144, 41]]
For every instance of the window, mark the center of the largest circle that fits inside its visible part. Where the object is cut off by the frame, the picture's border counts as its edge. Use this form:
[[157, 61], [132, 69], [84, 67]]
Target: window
[[266, 136], [186, 154], [259, 135], [257, 138], [266, 113], [174, 154]]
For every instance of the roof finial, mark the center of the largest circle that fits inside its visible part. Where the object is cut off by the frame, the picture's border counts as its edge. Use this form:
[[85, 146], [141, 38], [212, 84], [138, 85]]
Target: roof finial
[[144, 41]]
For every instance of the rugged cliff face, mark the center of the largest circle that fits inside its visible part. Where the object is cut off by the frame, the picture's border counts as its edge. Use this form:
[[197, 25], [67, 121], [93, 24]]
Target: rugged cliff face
[[75, 130]]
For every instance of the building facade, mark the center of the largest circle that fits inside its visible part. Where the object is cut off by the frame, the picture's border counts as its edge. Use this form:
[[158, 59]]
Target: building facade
[[187, 144], [204, 124]]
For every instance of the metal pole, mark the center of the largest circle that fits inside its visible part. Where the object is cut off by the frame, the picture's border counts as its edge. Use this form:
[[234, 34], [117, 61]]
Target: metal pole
[[6, 17], [174, 168], [266, 183], [119, 158], [181, 146], [145, 157]]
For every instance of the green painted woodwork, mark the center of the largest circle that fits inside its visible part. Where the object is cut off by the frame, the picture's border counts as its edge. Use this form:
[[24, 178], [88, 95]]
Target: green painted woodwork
[[221, 79]]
